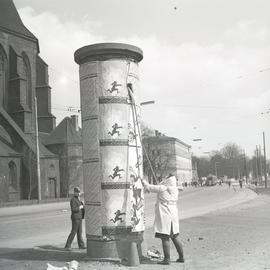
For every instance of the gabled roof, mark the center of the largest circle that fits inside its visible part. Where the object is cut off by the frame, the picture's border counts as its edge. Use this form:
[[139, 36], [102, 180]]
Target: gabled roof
[[43, 151], [4, 135], [11, 22], [165, 138], [64, 133], [7, 151]]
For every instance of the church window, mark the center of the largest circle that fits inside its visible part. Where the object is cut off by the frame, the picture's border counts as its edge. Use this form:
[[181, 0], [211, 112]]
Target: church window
[[26, 84], [12, 174], [3, 76]]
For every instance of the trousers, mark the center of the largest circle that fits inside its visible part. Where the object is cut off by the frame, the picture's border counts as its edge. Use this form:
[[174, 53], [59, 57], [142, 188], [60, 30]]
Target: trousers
[[76, 229]]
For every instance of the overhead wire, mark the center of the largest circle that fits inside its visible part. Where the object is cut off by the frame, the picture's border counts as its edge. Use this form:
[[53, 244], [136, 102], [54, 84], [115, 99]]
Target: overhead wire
[[171, 105]]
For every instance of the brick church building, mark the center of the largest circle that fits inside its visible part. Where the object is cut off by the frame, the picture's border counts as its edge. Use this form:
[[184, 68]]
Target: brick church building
[[24, 76]]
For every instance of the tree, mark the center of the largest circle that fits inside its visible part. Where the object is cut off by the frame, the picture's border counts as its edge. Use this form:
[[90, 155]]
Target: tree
[[159, 158], [229, 161], [146, 130], [231, 151]]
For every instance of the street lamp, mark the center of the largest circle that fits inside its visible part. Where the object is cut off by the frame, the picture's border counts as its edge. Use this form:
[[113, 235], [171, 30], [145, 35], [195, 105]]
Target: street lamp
[[147, 102]]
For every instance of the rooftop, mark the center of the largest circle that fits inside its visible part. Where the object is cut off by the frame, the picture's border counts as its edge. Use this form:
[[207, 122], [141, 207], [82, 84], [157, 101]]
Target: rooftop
[[166, 138], [11, 22]]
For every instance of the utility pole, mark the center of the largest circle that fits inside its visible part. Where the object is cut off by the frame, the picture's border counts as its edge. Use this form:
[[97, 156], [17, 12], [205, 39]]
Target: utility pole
[[264, 152], [260, 160], [256, 163], [37, 153]]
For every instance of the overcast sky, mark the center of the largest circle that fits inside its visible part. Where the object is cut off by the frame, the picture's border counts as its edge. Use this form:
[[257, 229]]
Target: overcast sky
[[206, 62]]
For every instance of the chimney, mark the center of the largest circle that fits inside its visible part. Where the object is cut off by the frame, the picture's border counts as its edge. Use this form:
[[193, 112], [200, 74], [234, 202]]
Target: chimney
[[75, 122]]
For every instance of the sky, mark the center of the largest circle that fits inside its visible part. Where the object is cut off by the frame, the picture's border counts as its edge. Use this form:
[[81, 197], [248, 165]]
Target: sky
[[206, 62]]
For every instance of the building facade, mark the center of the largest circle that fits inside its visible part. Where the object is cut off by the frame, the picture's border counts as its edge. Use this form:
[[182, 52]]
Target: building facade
[[66, 142], [23, 76], [167, 155]]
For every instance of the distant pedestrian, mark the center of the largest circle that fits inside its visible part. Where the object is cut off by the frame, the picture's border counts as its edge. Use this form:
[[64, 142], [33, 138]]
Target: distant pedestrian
[[229, 183], [241, 183], [77, 215], [166, 223]]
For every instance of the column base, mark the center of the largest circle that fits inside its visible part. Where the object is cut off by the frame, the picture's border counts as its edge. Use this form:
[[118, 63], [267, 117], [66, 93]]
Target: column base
[[117, 249], [107, 250]]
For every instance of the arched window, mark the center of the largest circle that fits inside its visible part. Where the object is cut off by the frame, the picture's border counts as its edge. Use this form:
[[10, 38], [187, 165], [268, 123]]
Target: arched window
[[12, 174], [3, 77], [52, 173], [26, 85]]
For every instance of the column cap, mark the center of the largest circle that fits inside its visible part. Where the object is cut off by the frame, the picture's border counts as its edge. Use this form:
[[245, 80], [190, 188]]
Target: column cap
[[104, 51]]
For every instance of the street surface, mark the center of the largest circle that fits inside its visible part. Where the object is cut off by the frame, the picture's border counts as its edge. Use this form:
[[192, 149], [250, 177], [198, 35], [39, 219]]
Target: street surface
[[235, 237]]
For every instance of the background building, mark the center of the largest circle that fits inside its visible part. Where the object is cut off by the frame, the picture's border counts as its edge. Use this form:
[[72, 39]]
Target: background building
[[23, 75], [66, 142], [167, 155]]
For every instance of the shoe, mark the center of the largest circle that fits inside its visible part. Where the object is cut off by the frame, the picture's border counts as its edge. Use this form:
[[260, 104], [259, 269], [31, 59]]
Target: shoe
[[68, 249], [180, 260], [82, 247], [165, 262]]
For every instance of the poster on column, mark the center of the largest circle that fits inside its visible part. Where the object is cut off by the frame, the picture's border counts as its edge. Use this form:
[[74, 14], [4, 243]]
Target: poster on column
[[135, 160], [115, 202], [113, 81]]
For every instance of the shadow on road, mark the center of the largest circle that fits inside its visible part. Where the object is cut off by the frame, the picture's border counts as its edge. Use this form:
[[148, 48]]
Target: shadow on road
[[50, 253], [35, 254]]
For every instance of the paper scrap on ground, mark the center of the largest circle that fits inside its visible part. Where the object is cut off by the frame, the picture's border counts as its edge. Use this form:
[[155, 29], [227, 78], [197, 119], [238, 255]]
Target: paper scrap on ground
[[73, 265]]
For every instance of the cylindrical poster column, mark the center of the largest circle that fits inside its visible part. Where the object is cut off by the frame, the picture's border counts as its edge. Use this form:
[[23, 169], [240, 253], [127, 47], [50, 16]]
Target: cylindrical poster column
[[112, 152]]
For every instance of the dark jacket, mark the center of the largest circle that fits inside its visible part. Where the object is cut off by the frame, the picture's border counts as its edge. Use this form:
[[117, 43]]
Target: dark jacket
[[76, 212]]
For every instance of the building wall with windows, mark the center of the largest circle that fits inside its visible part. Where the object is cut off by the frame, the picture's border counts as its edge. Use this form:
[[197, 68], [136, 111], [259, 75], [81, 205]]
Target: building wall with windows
[[167, 155]]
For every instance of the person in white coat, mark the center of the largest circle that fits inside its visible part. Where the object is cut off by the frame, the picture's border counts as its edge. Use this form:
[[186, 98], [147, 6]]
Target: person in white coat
[[166, 223]]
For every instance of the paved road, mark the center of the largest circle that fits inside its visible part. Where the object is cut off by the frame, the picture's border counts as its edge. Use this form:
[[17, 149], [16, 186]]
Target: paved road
[[28, 226]]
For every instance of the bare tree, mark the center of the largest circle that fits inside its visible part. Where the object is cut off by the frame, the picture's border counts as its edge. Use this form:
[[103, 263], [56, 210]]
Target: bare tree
[[231, 151], [159, 160]]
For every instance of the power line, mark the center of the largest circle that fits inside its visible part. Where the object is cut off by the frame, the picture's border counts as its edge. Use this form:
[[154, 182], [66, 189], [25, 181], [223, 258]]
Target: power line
[[203, 83], [198, 107]]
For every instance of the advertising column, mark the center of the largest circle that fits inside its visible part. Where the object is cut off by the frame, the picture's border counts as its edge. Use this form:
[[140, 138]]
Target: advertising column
[[112, 152]]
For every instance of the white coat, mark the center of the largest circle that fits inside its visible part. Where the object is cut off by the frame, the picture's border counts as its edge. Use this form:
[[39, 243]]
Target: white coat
[[166, 210]]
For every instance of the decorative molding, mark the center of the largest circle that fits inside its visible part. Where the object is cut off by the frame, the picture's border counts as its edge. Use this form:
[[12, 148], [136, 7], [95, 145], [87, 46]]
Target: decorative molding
[[113, 100], [90, 160], [90, 117], [111, 230], [113, 142], [88, 76], [115, 185], [90, 203]]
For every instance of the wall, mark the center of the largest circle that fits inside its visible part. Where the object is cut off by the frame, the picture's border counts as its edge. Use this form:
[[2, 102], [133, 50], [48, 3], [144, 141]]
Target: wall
[[6, 192], [70, 166], [22, 114], [168, 155], [47, 175], [74, 167], [183, 163]]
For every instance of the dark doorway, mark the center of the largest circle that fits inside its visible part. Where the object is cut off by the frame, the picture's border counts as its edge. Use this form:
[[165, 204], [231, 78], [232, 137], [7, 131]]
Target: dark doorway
[[52, 188]]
